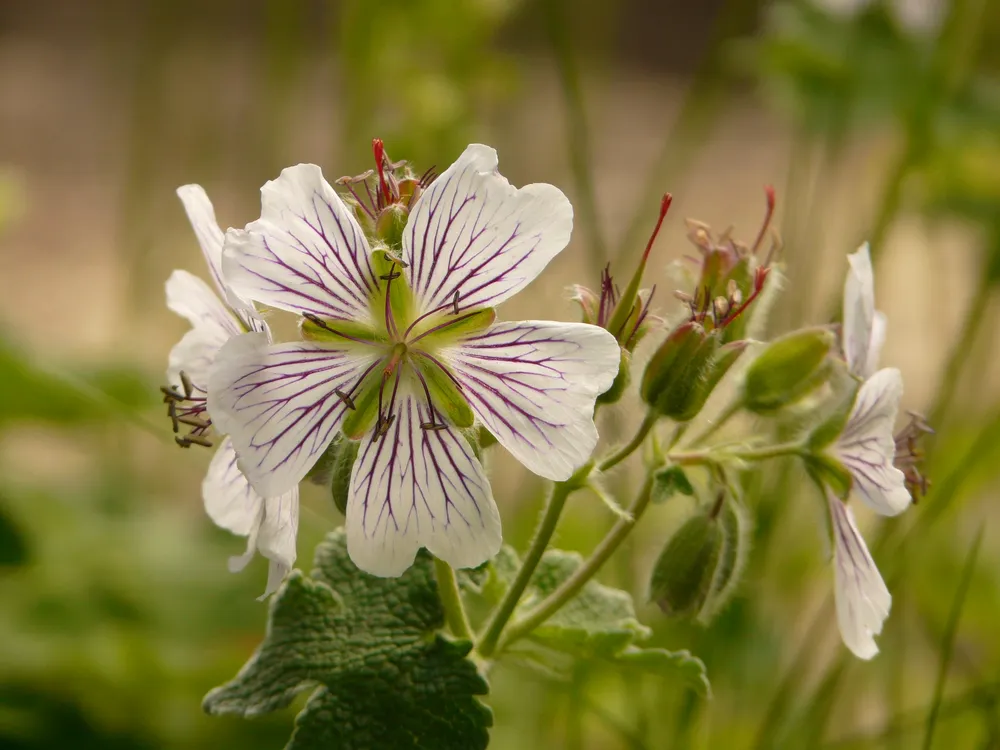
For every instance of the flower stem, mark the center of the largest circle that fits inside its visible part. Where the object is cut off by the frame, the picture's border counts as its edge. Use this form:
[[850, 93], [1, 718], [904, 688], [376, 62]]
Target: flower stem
[[749, 454], [734, 406], [543, 534], [572, 585], [629, 448], [451, 600]]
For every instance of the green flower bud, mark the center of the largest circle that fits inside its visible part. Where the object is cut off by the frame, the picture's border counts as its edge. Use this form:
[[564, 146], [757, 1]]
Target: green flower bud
[[788, 369], [675, 376], [683, 573], [621, 382], [734, 522], [724, 358]]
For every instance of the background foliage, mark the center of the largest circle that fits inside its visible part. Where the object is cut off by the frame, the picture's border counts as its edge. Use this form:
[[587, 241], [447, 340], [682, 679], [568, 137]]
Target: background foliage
[[117, 612]]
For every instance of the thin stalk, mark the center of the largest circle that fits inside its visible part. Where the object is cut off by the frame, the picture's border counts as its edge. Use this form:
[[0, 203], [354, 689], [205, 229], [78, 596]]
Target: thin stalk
[[750, 454], [451, 600], [728, 413], [572, 585], [543, 534], [948, 641]]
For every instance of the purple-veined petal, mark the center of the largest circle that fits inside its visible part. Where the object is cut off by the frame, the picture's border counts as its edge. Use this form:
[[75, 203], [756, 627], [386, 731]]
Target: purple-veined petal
[[533, 385], [192, 298], [416, 488], [859, 312], [280, 404], [474, 234], [305, 254], [863, 601], [867, 446], [276, 536], [230, 501], [201, 214]]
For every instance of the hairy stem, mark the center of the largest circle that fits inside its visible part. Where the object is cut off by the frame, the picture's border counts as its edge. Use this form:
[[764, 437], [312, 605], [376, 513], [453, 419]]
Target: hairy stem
[[630, 447], [572, 585], [451, 600]]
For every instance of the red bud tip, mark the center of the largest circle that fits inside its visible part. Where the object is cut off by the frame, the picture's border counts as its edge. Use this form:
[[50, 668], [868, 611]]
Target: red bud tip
[[664, 207], [379, 149]]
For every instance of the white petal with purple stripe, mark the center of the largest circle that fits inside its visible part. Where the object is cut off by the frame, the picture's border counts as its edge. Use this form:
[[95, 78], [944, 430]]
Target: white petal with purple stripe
[[280, 404], [862, 599], [201, 214], [305, 254], [867, 447], [864, 328], [475, 235], [416, 488], [533, 385]]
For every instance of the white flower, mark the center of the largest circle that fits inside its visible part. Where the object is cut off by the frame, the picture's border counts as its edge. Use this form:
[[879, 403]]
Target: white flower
[[862, 599], [864, 326], [404, 353], [866, 446], [269, 523]]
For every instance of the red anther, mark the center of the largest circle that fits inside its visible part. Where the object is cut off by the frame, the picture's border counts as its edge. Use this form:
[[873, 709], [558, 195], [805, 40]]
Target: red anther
[[771, 200], [379, 149], [664, 207]]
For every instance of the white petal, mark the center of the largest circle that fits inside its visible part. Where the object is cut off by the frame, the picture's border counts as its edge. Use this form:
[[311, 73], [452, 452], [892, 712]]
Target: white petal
[[306, 253], [276, 538], [533, 385], [863, 601], [418, 488], [192, 298], [230, 501], [859, 312], [201, 214], [867, 447], [279, 404], [193, 355], [473, 233], [879, 325]]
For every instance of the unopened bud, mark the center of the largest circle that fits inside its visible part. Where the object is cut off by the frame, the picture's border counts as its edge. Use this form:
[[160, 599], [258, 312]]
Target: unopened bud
[[788, 369], [588, 301], [673, 378], [723, 359], [683, 573], [341, 455], [734, 522]]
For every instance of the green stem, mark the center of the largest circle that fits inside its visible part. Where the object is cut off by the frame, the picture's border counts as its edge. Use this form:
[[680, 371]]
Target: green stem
[[750, 454], [543, 534], [572, 585], [630, 447], [451, 600], [728, 413]]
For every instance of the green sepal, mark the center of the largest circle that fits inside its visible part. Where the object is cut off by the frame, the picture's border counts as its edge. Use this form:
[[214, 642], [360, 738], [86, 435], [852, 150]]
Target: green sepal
[[386, 262], [735, 525], [670, 481], [787, 369], [830, 472], [679, 370], [664, 367], [371, 653], [621, 381], [359, 420], [446, 396], [344, 453], [330, 330], [833, 425]]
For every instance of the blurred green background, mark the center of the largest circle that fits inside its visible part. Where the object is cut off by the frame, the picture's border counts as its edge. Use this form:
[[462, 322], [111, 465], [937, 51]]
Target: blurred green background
[[873, 120]]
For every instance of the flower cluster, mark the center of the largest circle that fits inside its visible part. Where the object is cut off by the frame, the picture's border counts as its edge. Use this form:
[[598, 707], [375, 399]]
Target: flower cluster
[[395, 287]]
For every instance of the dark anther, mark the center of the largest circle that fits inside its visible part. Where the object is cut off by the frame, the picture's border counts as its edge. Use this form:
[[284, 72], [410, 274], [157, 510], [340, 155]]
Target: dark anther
[[317, 321], [348, 401], [186, 382], [172, 413], [427, 178], [170, 393], [384, 423], [186, 441], [200, 424], [394, 274], [433, 426], [454, 302], [395, 259]]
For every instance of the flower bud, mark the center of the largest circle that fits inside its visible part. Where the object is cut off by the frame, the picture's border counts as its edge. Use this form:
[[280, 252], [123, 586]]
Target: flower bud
[[788, 369], [702, 562], [723, 358], [682, 575], [673, 380], [338, 463]]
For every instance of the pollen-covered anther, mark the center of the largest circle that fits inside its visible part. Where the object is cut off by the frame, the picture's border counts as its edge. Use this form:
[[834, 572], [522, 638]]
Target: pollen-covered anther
[[910, 455], [188, 408]]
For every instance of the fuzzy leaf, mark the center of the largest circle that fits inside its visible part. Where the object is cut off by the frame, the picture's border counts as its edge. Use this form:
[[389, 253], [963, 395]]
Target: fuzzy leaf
[[368, 647], [598, 624]]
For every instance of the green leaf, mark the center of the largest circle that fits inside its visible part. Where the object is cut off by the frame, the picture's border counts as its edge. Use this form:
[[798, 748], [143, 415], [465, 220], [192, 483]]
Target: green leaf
[[598, 624], [368, 647], [670, 481]]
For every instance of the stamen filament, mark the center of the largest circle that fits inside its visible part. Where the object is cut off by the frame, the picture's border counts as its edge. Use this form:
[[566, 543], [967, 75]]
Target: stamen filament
[[320, 323], [442, 326]]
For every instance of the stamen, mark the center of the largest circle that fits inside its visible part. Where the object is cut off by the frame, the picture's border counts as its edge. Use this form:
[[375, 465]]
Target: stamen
[[641, 318], [320, 323], [769, 192], [427, 178], [186, 382], [758, 286], [188, 408], [379, 149], [390, 323], [391, 275], [348, 401], [454, 302], [431, 424]]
